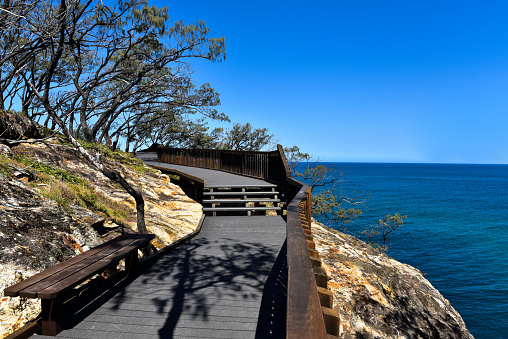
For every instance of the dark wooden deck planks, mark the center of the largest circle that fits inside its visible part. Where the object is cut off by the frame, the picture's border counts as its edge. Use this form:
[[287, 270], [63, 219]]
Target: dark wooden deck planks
[[228, 282]]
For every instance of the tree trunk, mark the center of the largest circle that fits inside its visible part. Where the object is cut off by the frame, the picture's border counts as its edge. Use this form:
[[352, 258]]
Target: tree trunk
[[127, 145], [115, 143], [2, 104], [140, 203], [109, 143], [96, 161]]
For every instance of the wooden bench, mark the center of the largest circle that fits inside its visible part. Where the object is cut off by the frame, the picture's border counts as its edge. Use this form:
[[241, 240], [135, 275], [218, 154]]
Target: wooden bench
[[53, 285]]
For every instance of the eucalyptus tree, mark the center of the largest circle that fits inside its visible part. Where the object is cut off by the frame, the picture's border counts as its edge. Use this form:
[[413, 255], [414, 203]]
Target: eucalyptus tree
[[130, 58], [173, 128], [332, 202]]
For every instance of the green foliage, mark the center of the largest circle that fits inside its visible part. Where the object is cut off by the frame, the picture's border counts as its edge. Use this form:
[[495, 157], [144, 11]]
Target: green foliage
[[105, 69], [56, 173], [326, 182], [124, 158], [246, 138], [384, 227], [330, 202], [5, 169], [175, 131], [294, 156], [331, 207], [98, 148], [83, 195], [66, 188]]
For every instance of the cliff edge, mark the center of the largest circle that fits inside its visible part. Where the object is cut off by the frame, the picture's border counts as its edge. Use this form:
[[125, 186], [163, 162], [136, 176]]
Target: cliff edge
[[53, 205], [379, 297]]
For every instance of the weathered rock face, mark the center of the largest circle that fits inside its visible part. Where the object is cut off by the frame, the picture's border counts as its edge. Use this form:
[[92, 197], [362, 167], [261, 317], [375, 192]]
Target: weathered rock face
[[15, 312], [15, 127], [379, 297], [375, 295], [34, 229], [169, 213], [36, 233]]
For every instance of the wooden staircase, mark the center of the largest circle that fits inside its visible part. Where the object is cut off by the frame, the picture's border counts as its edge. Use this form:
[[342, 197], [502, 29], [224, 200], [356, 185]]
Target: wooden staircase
[[241, 200]]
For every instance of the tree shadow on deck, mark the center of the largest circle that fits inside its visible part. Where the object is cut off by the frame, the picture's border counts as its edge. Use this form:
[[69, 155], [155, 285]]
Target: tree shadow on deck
[[207, 286]]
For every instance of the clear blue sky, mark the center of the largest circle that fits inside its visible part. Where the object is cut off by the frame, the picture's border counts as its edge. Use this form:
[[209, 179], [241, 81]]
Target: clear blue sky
[[374, 81]]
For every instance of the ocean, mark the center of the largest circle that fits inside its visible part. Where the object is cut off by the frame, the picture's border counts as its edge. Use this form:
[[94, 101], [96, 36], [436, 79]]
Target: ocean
[[456, 231]]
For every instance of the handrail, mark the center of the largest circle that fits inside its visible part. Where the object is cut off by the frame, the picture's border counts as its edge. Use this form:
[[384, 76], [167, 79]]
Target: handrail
[[263, 165], [304, 317]]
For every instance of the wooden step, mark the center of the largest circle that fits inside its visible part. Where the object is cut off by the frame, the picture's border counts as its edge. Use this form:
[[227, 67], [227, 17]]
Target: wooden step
[[239, 209], [228, 193], [232, 201], [267, 185]]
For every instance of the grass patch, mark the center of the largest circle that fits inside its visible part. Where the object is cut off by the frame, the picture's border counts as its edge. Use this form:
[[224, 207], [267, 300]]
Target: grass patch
[[124, 158], [85, 196], [5, 169], [56, 173], [81, 194], [66, 188]]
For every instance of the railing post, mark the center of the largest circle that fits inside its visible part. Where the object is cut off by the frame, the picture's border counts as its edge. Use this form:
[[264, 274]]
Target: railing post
[[308, 206]]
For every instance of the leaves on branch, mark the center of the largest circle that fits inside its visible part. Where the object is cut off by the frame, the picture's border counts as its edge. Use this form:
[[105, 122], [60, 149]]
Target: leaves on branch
[[384, 227], [326, 183], [332, 203]]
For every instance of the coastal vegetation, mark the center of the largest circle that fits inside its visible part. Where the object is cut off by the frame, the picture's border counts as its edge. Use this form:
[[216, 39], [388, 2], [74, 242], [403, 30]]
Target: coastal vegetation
[[101, 76], [336, 206], [64, 187], [111, 74]]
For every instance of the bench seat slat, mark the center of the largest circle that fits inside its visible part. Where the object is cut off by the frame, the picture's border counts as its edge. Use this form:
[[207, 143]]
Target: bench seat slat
[[13, 291], [33, 290], [61, 287]]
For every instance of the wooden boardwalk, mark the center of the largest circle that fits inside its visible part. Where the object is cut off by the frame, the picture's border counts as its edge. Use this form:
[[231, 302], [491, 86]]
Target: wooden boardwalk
[[229, 281], [212, 178]]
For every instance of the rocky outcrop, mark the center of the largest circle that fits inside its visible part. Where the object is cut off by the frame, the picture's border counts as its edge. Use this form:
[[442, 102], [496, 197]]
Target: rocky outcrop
[[36, 232], [169, 213], [15, 127], [379, 297]]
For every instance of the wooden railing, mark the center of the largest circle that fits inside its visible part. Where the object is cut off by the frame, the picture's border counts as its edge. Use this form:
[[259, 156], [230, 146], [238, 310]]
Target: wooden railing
[[305, 318], [263, 165]]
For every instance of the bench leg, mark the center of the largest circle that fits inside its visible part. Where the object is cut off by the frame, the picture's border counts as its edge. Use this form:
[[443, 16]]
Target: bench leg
[[131, 264], [52, 316]]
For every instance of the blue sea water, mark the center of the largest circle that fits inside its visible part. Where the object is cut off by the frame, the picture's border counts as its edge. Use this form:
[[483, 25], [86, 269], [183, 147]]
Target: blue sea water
[[456, 231]]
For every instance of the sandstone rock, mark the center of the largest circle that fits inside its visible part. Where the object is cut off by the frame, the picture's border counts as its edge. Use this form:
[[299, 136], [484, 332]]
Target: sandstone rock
[[379, 297], [169, 213], [5, 150], [31, 228], [36, 233], [15, 312]]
